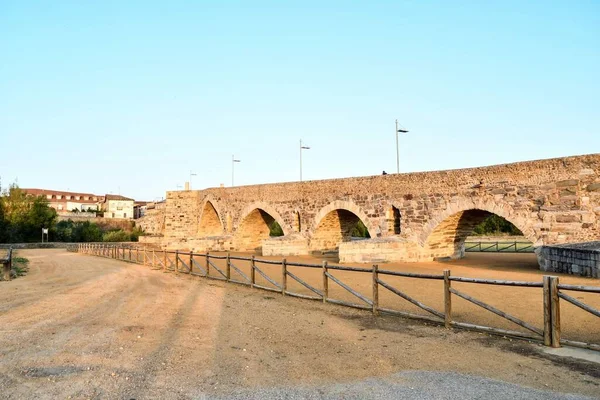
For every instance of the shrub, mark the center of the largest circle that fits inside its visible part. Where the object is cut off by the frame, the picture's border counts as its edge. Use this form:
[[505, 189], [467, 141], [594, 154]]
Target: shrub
[[117, 236]]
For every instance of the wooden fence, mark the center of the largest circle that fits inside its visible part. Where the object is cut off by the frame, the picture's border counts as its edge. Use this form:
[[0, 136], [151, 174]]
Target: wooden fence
[[499, 247], [6, 263], [205, 265]]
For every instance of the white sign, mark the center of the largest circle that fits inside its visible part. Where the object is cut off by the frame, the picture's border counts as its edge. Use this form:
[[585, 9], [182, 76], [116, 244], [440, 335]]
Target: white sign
[[45, 230]]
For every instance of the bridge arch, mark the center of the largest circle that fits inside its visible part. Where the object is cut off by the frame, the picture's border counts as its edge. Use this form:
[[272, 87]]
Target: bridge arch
[[254, 226], [445, 233], [210, 222], [334, 223]]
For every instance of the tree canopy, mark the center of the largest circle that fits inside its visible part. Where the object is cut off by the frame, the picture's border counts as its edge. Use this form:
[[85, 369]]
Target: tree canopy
[[22, 216], [496, 225]]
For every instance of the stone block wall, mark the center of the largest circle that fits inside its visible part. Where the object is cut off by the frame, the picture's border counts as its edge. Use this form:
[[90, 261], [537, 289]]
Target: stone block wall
[[291, 245], [576, 259], [153, 222], [380, 250]]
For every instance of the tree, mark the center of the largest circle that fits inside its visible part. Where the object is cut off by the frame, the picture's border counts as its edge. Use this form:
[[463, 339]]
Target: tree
[[24, 216], [496, 225], [360, 230], [2, 222], [275, 229]]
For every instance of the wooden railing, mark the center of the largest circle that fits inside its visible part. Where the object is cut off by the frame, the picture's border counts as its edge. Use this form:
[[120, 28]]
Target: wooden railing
[[499, 247], [206, 265], [6, 263]]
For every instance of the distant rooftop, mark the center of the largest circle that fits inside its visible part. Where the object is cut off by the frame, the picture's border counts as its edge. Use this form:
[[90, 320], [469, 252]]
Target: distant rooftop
[[63, 196], [116, 197]]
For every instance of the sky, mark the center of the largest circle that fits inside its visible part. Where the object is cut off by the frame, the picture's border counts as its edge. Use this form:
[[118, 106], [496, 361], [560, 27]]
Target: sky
[[130, 96]]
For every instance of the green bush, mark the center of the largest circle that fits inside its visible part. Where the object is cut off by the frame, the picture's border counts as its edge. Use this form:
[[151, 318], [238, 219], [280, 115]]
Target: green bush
[[136, 232], [69, 231], [117, 236]]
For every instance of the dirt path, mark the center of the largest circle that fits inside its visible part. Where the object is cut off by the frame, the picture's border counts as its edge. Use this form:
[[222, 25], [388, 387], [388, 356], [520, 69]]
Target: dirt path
[[87, 327], [524, 303]]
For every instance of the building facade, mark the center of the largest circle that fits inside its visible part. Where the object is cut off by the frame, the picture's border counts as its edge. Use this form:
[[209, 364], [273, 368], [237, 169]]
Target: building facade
[[64, 202], [117, 206]]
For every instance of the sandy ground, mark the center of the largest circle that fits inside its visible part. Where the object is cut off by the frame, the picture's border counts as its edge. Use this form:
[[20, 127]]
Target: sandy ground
[[85, 327], [523, 303]]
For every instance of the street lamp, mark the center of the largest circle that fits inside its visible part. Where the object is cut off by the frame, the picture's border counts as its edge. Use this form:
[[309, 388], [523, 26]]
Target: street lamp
[[233, 161], [302, 148], [397, 148], [191, 174]]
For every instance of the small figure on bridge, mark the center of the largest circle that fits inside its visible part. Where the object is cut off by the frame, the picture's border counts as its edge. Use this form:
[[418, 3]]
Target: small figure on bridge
[[384, 173]]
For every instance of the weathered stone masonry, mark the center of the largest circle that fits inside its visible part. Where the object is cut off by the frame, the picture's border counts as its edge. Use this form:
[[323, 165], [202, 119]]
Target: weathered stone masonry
[[412, 217]]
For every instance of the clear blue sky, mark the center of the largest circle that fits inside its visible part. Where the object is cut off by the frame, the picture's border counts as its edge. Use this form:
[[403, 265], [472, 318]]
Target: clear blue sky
[[107, 96]]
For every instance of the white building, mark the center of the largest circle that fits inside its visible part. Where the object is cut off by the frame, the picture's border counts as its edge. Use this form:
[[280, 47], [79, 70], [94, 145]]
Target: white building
[[117, 206]]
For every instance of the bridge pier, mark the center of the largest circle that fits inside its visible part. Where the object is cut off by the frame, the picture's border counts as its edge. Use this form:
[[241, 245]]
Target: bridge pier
[[379, 250], [291, 245]]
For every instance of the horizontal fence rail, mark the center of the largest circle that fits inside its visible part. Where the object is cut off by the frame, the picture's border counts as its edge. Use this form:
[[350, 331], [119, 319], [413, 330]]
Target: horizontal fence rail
[[499, 247], [205, 265]]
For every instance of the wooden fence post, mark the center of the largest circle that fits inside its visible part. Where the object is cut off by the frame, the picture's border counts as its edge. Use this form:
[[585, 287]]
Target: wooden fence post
[[555, 300], [165, 260], [252, 271], [283, 276], [6, 271], [325, 282], [228, 267], [130, 254], [447, 299], [207, 264], [547, 312], [137, 255], [191, 262], [177, 261], [375, 289]]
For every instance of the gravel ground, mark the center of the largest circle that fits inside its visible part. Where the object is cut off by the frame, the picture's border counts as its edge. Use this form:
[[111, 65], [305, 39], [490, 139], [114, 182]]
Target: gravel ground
[[83, 327], [411, 385]]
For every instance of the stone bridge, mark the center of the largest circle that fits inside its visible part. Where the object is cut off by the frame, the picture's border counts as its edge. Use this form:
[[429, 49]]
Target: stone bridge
[[410, 217]]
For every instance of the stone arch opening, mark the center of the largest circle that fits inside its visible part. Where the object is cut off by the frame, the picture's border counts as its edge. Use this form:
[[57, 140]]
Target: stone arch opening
[[447, 239], [210, 223], [335, 227], [255, 227]]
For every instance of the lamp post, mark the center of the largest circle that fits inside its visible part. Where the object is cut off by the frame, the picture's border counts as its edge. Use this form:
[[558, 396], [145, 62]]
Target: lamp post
[[233, 161], [302, 148], [397, 148], [191, 174]]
